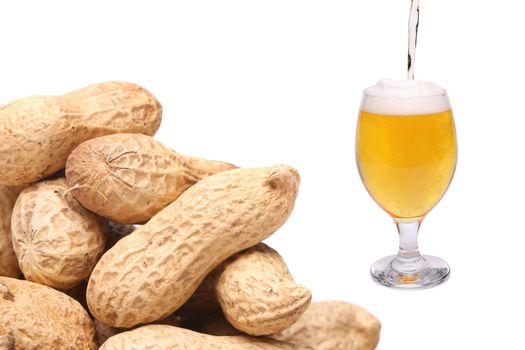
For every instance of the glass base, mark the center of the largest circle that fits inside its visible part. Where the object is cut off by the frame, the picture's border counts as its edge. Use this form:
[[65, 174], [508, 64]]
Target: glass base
[[430, 272]]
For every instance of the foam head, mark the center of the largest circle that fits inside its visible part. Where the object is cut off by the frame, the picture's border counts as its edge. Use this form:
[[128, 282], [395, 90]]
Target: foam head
[[405, 97]]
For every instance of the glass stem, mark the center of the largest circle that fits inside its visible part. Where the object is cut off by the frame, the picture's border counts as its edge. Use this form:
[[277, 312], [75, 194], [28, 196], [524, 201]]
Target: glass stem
[[408, 260]]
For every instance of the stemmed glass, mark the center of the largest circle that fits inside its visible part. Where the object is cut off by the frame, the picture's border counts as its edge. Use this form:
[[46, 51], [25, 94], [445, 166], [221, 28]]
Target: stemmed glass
[[406, 153]]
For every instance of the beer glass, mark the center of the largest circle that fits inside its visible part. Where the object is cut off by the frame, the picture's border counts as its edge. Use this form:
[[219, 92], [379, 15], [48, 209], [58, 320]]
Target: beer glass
[[406, 153]]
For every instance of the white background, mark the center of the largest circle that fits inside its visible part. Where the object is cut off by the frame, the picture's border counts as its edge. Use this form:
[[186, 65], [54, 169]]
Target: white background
[[264, 82]]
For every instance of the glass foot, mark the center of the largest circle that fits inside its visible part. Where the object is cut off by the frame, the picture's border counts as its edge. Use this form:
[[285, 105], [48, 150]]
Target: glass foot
[[427, 272]]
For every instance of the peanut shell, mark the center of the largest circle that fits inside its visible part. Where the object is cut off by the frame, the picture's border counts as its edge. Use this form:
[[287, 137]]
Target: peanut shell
[[150, 273], [56, 240], [255, 291], [334, 325], [39, 132], [40, 318], [129, 178], [8, 262], [161, 337]]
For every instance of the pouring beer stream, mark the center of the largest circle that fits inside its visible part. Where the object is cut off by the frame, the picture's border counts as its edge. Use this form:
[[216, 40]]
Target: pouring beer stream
[[413, 23]]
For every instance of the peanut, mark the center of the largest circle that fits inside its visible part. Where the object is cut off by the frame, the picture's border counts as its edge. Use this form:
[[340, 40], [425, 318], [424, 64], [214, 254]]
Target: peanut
[[38, 317], [8, 262], [161, 337], [57, 241], [39, 132], [150, 273], [255, 291], [334, 325], [129, 178]]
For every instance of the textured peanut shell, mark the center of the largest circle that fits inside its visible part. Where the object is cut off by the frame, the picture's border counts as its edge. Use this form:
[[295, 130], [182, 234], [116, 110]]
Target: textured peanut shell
[[129, 178], [150, 273], [334, 325], [255, 291], [8, 262], [161, 337], [39, 317], [56, 240], [39, 132]]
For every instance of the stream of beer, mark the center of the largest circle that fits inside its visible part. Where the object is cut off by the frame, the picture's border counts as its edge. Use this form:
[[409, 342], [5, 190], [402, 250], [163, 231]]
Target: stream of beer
[[413, 24]]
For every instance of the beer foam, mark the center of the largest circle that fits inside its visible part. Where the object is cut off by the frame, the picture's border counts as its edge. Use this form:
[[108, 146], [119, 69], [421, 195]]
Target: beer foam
[[405, 97]]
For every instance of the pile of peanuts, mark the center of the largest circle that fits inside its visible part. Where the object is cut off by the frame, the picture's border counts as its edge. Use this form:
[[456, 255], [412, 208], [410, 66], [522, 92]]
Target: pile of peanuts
[[111, 240]]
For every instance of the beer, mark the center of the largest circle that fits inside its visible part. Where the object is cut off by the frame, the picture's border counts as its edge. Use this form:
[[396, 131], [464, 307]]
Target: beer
[[406, 146], [406, 154]]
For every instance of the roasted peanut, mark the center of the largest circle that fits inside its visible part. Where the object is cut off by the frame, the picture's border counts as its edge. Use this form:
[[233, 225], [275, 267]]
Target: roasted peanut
[[56, 240], [8, 262], [150, 273], [161, 337], [39, 317], [39, 132], [334, 325], [129, 178], [255, 291]]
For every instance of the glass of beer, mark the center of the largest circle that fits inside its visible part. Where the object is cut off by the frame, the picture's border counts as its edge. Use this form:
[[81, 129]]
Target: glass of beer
[[406, 153]]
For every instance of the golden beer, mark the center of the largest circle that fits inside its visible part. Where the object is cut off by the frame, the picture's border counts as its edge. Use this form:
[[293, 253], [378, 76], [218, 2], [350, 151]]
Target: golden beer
[[406, 146], [406, 161]]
